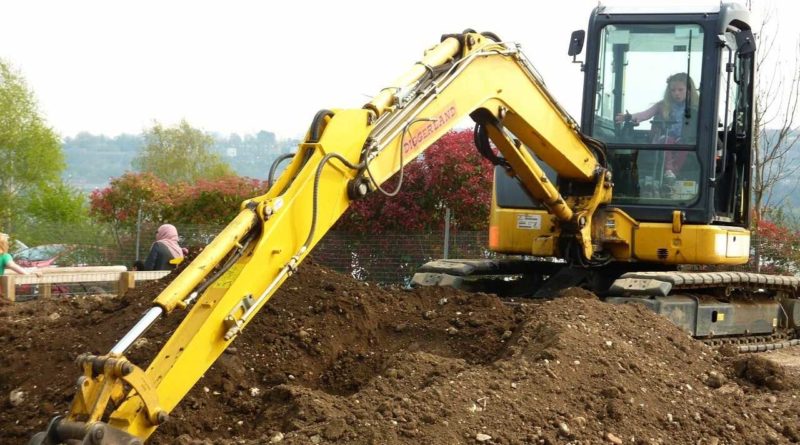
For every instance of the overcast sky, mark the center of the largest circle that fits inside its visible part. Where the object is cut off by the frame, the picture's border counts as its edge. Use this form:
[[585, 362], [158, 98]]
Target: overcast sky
[[114, 67]]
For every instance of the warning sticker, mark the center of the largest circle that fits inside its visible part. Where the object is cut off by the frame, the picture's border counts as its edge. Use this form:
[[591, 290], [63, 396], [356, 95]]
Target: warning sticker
[[685, 190], [529, 222]]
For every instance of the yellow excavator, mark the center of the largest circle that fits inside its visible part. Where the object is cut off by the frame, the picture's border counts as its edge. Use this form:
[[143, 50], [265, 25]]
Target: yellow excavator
[[614, 205]]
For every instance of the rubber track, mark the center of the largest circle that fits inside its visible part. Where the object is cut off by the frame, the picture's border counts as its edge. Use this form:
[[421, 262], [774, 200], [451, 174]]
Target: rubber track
[[700, 280], [769, 346]]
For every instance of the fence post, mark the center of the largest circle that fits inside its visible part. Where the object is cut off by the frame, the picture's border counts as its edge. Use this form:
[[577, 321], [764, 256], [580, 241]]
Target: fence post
[[47, 289], [138, 230], [7, 287], [127, 281], [446, 232]]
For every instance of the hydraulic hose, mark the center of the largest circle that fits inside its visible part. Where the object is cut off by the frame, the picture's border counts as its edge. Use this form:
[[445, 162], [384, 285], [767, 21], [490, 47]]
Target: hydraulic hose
[[274, 167], [491, 35], [597, 146], [315, 201], [481, 140], [400, 181], [314, 133]]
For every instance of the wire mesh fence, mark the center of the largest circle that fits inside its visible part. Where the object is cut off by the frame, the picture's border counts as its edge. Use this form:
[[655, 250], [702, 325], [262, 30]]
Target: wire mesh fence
[[386, 258], [102, 244], [393, 257]]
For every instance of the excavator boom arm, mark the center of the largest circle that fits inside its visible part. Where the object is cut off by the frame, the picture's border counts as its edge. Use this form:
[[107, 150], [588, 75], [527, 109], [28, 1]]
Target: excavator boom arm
[[346, 154]]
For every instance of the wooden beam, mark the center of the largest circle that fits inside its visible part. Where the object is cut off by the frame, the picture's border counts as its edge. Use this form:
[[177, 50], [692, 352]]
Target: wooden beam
[[74, 277], [7, 287], [151, 274], [127, 280], [46, 277], [66, 270]]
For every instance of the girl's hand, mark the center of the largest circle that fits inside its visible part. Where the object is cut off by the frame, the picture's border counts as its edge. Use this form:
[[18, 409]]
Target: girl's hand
[[624, 117]]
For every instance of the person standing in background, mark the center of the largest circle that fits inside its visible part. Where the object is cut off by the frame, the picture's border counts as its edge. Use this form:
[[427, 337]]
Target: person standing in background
[[165, 251]]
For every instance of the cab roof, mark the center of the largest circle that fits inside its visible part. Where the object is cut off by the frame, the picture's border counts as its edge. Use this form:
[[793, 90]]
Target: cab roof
[[680, 7]]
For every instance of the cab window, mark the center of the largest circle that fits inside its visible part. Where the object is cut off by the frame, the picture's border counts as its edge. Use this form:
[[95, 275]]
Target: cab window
[[646, 110]]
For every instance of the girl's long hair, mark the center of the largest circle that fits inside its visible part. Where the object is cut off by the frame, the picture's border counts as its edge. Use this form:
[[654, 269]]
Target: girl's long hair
[[692, 94]]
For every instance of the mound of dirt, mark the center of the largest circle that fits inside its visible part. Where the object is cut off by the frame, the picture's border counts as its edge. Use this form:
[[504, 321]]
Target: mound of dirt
[[331, 360]]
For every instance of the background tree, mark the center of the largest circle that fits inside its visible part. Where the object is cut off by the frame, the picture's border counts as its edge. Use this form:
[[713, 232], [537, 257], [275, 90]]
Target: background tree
[[451, 174], [776, 114], [215, 201], [56, 213], [30, 152], [180, 154], [210, 203], [57, 203], [120, 203], [776, 123], [781, 247]]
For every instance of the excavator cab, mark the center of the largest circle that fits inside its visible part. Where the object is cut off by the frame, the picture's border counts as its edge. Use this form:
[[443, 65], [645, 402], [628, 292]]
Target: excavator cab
[[671, 96], [668, 93]]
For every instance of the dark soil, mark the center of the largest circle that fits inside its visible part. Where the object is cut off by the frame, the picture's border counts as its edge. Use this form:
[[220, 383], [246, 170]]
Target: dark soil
[[331, 360]]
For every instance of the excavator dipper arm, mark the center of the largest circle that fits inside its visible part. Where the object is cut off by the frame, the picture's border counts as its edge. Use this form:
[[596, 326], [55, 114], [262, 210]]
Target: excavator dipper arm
[[346, 154]]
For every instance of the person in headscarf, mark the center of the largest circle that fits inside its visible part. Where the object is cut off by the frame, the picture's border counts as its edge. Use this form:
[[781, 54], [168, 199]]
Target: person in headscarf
[[165, 250]]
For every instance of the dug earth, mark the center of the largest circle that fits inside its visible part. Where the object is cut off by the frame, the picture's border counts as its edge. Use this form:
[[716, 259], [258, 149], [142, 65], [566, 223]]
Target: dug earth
[[331, 360]]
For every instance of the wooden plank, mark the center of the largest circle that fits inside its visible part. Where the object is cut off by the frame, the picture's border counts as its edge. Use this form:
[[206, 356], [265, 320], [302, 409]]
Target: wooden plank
[[60, 270], [68, 270], [46, 277], [7, 286], [151, 274], [85, 277]]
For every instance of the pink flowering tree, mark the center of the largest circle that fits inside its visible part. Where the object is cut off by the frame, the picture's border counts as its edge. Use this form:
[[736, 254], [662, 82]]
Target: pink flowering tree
[[450, 174]]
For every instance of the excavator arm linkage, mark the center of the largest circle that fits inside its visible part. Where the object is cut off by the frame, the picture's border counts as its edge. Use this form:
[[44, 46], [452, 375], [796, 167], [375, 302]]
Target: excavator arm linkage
[[346, 154]]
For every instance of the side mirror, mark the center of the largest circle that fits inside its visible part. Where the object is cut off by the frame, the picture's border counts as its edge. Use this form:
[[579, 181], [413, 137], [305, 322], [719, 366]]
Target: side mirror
[[576, 43]]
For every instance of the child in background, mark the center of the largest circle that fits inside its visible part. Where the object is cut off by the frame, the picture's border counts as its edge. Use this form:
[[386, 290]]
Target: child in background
[[6, 260]]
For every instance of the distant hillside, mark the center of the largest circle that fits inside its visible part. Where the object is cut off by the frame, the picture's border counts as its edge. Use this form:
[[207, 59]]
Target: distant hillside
[[92, 160]]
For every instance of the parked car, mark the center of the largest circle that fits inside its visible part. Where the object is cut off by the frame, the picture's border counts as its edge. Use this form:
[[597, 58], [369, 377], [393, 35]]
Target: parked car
[[59, 255], [40, 256], [16, 246]]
